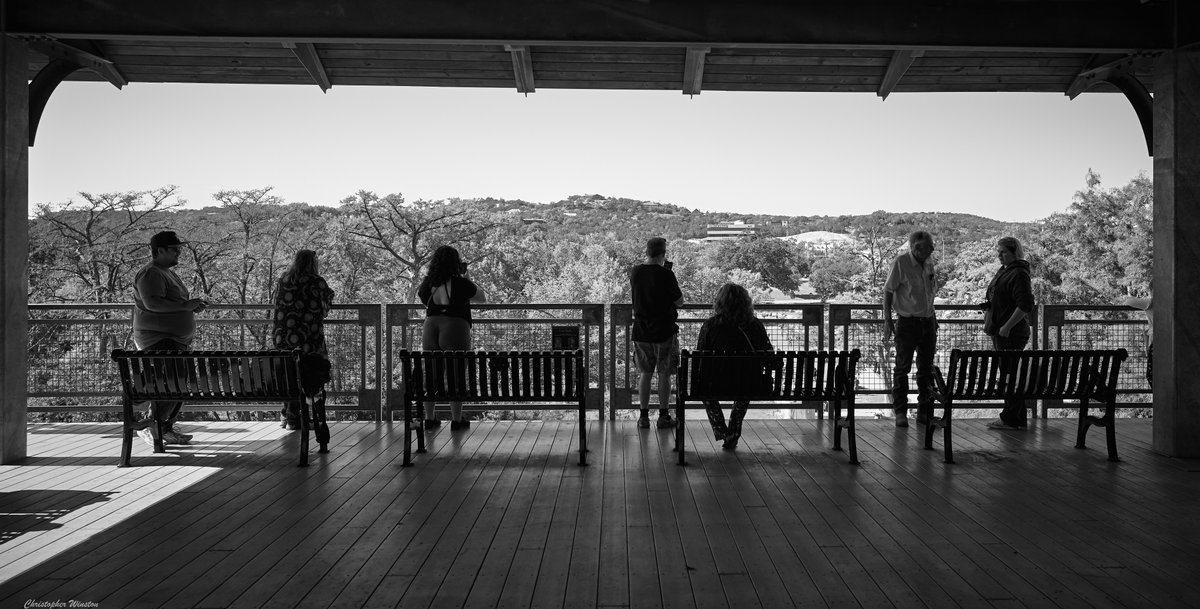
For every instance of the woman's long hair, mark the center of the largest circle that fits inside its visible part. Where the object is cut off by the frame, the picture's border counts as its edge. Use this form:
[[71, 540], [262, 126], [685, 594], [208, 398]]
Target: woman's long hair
[[1013, 245], [733, 305], [304, 265], [444, 264]]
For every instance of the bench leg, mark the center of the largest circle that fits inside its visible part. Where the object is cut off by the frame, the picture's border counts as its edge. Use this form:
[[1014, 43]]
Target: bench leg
[[680, 432], [408, 432], [836, 415], [126, 434], [1084, 423], [1110, 432], [946, 442], [583, 433], [850, 439]]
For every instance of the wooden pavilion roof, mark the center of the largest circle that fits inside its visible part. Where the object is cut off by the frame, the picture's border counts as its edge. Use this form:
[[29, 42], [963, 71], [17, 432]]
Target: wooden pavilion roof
[[871, 46]]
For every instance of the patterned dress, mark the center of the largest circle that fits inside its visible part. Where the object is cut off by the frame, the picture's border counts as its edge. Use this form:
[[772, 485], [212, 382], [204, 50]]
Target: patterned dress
[[300, 309]]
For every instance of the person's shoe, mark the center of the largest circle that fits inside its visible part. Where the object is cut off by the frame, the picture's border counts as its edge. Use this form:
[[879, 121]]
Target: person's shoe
[[902, 419], [146, 436], [170, 437], [644, 422], [665, 421], [291, 425], [720, 435], [432, 423], [457, 425], [731, 441], [465, 423], [1000, 424]]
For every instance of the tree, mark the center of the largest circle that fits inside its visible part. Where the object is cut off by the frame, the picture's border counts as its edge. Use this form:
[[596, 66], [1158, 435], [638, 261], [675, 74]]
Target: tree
[[775, 260], [99, 242], [835, 275], [408, 233]]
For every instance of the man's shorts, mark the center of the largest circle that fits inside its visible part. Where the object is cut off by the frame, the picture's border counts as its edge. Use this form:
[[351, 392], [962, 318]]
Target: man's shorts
[[664, 356]]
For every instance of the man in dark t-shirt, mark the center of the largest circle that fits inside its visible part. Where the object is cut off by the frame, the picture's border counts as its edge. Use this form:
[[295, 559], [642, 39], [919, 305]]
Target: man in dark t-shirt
[[656, 295]]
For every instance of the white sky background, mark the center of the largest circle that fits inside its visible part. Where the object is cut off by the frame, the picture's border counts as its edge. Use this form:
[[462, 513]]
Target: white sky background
[[1014, 157]]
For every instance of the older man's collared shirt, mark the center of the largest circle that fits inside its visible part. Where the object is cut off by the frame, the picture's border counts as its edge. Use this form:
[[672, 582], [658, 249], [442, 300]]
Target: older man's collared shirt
[[912, 285]]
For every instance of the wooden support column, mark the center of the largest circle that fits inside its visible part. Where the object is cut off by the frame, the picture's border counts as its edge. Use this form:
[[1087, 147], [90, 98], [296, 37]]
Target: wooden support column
[[1177, 254], [14, 244]]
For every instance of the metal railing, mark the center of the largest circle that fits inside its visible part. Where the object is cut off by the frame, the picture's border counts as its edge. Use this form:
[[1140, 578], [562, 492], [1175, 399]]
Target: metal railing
[[70, 369], [501, 327], [69, 351], [790, 327]]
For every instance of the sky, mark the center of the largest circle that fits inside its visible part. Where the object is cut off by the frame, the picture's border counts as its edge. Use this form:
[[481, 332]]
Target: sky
[[1011, 157]]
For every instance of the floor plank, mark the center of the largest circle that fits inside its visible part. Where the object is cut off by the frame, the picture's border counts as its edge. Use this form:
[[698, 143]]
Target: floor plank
[[502, 515]]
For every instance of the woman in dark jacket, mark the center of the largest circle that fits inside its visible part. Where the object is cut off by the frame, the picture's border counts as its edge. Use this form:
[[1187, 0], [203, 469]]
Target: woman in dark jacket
[[732, 327], [447, 297], [1009, 301], [301, 302]]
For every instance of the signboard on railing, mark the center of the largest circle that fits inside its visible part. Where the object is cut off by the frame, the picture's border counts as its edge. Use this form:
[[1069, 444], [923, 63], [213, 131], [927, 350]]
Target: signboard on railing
[[564, 338]]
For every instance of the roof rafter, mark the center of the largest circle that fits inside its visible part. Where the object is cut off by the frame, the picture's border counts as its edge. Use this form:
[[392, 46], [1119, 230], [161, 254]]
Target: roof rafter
[[693, 69], [902, 59], [522, 67], [306, 52]]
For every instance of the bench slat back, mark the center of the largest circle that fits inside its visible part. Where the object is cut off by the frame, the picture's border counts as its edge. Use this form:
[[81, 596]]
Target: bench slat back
[[1049, 375], [494, 376], [209, 376], [768, 375]]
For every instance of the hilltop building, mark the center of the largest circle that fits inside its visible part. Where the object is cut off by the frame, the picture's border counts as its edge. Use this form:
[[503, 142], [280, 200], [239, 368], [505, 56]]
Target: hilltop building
[[722, 231]]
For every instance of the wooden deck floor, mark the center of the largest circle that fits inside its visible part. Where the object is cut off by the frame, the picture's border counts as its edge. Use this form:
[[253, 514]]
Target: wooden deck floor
[[501, 515]]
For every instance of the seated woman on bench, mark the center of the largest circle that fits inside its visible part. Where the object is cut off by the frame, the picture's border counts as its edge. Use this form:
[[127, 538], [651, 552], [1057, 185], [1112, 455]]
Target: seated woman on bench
[[732, 327]]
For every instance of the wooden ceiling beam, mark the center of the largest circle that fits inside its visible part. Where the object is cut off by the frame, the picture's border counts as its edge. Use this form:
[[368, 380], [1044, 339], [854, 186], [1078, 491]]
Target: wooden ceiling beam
[[1098, 26], [693, 70], [901, 61], [84, 53], [522, 67], [306, 52]]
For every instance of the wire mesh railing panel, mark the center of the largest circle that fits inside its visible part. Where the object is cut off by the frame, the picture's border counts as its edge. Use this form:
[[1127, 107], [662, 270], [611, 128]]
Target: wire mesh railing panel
[[498, 327], [861, 326], [1104, 327], [69, 346], [790, 327]]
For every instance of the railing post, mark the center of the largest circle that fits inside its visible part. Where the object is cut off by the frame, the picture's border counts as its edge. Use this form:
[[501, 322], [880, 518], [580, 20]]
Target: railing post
[[1053, 316], [620, 316], [593, 315]]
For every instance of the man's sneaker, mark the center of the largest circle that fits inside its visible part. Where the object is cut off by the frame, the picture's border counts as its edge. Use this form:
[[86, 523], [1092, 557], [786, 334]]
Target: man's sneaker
[[146, 436], [171, 437], [1000, 424], [644, 422], [902, 419], [665, 421]]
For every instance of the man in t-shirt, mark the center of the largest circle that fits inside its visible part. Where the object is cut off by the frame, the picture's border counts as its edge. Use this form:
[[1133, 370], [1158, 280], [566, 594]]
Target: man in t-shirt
[[909, 290], [656, 295], [163, 319]]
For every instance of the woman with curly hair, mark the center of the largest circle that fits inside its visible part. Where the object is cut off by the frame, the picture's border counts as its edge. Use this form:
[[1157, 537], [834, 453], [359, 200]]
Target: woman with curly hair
[[301, 302], [447, 297], [732, 327]]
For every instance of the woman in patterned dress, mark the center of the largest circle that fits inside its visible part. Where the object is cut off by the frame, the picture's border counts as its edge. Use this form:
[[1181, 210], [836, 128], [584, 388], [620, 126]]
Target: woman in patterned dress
[[301, 302]]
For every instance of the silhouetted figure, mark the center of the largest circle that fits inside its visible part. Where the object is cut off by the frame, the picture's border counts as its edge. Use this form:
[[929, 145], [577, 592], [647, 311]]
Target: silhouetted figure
[[447, 296], [164, 318], [1009, 301], [302, 300], [732, 327], [909, 290], [656, 298]]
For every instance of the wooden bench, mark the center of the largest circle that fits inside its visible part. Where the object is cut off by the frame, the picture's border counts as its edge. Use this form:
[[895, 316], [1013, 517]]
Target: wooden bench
[[778, 376], [541, 378], [215, 377], [1031, 375]]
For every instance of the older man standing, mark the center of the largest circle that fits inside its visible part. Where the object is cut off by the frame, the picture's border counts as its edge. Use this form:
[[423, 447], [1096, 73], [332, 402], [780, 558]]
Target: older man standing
[[909, 290], [163, 319]]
